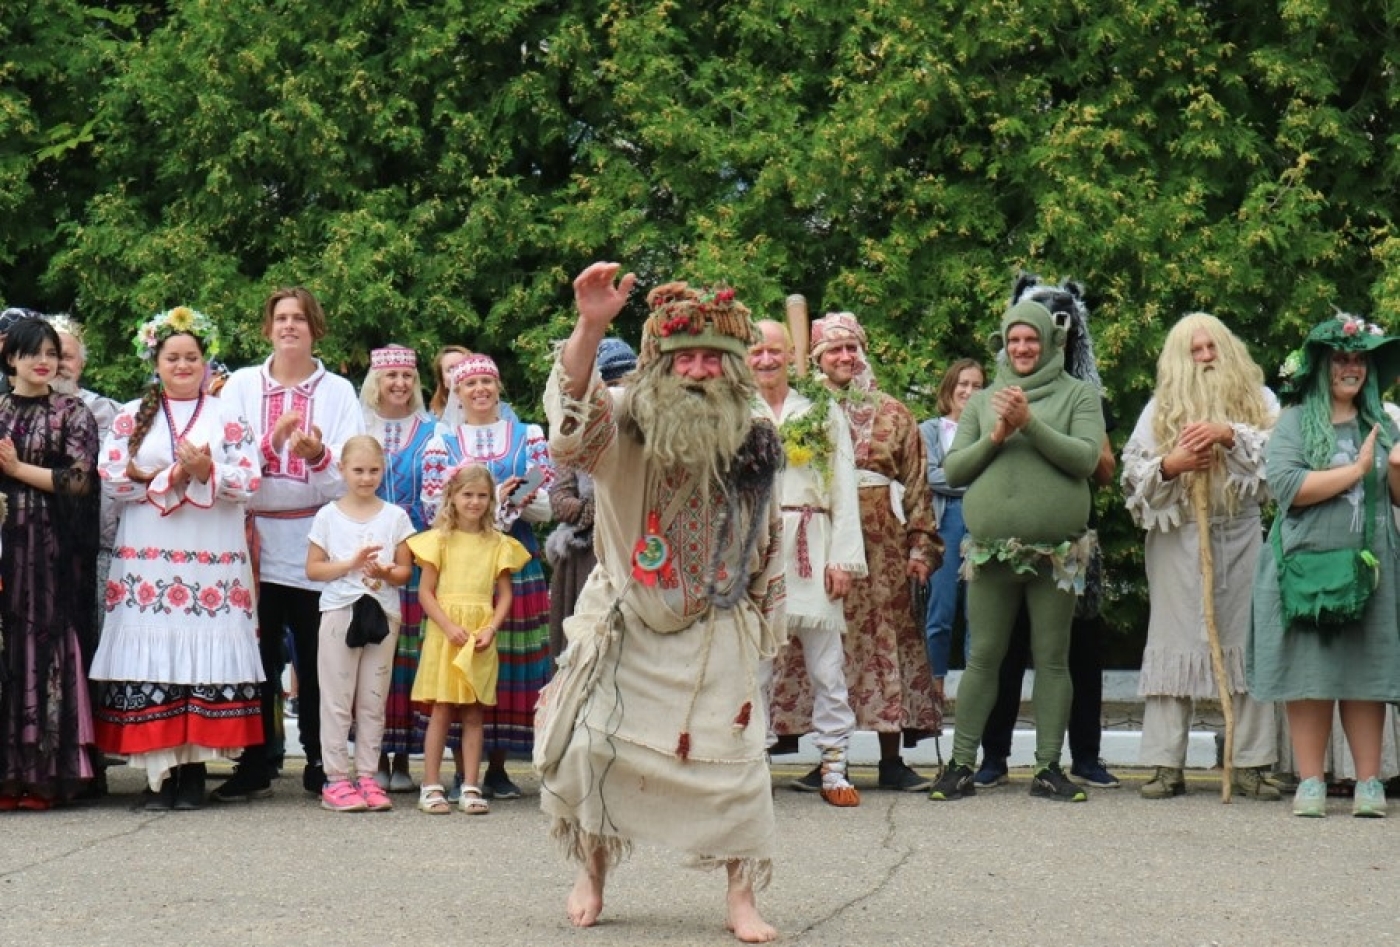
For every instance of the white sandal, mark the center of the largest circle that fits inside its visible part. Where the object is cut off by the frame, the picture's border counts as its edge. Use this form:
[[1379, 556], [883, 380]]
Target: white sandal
[[472, 801], [433, 800]]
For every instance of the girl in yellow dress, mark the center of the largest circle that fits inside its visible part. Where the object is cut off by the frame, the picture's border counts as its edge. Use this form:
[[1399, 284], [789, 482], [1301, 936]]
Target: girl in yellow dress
[[465, 593]]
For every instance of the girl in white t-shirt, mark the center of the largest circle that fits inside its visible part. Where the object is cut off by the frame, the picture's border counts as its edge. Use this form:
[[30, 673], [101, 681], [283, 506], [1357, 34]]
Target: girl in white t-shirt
[[358, 548]]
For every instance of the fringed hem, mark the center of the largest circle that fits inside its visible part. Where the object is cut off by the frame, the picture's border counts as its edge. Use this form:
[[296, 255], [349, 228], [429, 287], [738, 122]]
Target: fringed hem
[[1164, 505], [1151, 518], [579, 845], [855, 569], [1188, 674], [757, 873], [800, 623]]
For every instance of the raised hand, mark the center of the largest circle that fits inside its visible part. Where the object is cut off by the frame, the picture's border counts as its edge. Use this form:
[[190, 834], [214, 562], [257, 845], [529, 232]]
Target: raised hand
[[599, 296]]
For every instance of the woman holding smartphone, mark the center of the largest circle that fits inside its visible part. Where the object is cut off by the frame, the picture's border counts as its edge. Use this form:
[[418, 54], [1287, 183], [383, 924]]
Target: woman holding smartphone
[[518, 459]]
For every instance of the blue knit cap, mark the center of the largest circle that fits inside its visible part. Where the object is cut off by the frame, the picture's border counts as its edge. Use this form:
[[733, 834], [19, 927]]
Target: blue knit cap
[[615, 359]]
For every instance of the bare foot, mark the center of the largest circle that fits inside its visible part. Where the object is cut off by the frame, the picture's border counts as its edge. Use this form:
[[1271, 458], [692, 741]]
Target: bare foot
[[585, 901], [743, 918]]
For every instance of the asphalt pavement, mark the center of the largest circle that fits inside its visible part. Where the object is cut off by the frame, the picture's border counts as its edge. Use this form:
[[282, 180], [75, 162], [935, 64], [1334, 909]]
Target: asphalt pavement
[[1000, 868]]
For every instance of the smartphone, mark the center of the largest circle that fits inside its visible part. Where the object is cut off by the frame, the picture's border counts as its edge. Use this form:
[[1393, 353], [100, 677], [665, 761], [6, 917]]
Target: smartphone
[[533, 479]]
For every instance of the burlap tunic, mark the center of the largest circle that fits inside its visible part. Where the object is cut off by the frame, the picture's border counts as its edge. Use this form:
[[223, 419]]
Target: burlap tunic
[[669, 745]]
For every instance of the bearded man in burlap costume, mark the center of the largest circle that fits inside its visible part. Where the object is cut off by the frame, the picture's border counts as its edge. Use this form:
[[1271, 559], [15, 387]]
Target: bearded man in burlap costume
[[654, 728]]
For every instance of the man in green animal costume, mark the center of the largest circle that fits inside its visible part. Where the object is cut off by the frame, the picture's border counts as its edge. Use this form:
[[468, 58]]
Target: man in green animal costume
[[1025, 449]]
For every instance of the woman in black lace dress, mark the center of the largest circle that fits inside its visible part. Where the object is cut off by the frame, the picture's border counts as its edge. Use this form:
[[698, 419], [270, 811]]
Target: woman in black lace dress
[[48, 450]]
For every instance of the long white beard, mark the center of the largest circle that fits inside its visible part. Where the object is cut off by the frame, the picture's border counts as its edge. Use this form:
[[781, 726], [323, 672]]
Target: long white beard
[[693, 425], [64, 385]]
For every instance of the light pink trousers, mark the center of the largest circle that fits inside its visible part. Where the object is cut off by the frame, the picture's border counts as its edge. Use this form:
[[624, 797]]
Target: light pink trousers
[[354, 688]]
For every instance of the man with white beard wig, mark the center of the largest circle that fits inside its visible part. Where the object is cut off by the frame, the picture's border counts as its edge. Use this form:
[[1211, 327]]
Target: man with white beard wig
[[1210, 416], [654, 726]]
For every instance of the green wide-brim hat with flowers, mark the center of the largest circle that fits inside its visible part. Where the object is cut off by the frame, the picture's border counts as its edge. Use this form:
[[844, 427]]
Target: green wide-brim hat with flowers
[[1344, 333]]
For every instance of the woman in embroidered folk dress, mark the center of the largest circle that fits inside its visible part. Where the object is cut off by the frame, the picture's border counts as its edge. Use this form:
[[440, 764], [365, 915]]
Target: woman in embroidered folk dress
[[510, 450], [396, 418], [1333, 459], [48, 445], [178, 666]]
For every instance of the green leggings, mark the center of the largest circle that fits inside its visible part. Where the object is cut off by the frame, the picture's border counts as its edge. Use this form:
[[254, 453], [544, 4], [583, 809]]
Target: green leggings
[[994, 598]]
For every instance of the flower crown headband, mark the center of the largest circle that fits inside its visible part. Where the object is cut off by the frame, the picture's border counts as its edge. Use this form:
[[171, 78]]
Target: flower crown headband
[[182, 320]]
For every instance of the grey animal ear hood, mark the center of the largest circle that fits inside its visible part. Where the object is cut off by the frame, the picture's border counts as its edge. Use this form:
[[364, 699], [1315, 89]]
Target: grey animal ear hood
[[1067, 304], [1033, 314]]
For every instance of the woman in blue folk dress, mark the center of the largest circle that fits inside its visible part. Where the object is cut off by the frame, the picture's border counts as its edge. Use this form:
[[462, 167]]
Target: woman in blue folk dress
[[511, 450]]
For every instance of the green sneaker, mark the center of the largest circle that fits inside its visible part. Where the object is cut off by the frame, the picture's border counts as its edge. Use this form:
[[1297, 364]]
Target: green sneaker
[[1252, 782], [955, 783], [1310, 801], [1052, 783], [1368, 799]]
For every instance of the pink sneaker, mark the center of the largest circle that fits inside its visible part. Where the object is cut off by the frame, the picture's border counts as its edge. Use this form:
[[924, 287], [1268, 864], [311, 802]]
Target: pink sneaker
[[376, 800], [340, 796]]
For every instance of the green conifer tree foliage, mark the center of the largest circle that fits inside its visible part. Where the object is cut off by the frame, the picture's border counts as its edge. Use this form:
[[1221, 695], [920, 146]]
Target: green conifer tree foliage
[[438, 172]]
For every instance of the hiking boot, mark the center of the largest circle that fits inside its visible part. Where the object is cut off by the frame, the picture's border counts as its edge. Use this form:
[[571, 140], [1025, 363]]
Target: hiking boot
[[992, 773], [1095, 774], [342, 796], [241, 787], [1052, 783], [1310, 801], [955, 783], [895, 776], [1250, 782], [812, 782], [1169, 781], [497, 785], [1368, 799]]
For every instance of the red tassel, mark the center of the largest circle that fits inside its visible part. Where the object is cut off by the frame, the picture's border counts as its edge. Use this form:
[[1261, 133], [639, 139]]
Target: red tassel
[[742, 721], [683, 747]]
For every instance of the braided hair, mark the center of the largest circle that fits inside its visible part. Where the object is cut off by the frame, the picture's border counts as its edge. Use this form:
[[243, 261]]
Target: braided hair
[[146, 414]]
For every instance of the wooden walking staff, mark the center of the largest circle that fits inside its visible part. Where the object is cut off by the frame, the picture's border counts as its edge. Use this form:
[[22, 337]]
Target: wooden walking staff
[[800, 328], [1200, 501]]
